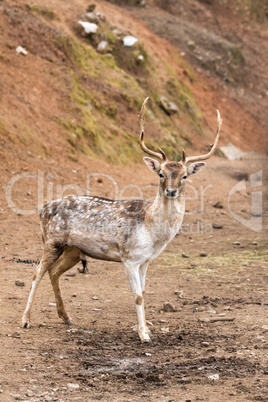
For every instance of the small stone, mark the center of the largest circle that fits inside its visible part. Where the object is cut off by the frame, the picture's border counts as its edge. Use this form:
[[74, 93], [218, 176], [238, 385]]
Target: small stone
[[214, 377], [17, 397], [203, 254], [191, 44], [217, 226], [218, 205], [91, 8], [168, 106], [21, 50], [169, 307], [74, 295], [101, 48], [184, 255], [91, 17], [236, 243], [71, 274], [73, 386], [95, 298], [265, 327], [254, 243], [52, 304], [205, 344], [18, 282], [165, 330]]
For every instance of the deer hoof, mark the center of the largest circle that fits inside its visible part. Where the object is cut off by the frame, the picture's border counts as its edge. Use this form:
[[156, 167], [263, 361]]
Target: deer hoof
[[145, 338], [25, 323]]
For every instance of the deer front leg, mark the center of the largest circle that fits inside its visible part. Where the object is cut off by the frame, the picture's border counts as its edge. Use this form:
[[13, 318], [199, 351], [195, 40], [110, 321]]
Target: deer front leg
[[133, 276], [142, 272]]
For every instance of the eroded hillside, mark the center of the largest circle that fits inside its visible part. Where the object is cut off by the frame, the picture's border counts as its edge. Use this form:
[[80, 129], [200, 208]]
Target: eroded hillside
[[66, 99]]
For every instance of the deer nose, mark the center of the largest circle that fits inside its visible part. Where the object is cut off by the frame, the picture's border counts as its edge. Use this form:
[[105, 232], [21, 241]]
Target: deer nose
[[171, 193]]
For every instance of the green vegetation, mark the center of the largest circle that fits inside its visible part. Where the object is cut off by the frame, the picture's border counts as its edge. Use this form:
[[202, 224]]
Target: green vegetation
[[94, 80], [43, 11], [252, 10]]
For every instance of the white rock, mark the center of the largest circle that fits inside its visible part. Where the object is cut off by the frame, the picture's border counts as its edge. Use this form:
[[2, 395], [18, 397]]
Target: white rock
[[21, 50], [102, 45], [73, 386], [214, 377], [129, 40], [231, 152], [89, 27]]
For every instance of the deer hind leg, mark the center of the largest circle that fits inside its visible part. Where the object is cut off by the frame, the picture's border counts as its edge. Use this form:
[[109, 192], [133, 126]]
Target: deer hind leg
[[49, 257], [66, 261], [132, 273]]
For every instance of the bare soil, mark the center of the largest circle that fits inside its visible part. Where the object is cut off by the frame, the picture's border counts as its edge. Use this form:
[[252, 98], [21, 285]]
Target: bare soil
[[220, 324], [102, 354]]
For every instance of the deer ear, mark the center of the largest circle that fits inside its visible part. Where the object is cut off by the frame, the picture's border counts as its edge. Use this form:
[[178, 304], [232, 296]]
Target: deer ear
[[195, 168], [152, 164]]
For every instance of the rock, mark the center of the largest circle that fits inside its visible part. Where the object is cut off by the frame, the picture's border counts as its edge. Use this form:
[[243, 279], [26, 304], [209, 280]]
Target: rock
[[71, 274], [217, 226], [52, 304], [205, 344], [93, 17], [95, 298], [102, 46], [17, 397], [169, 307], [91, 8], [165, 330], [21, 50], [74, 295], [18, 282], [118, 33], [168, 106], [129, 40], [231, 152], [214, 377], [265, 327], [191, 44], [236, 243], [73, 386], [203, 254], [140, 59], [218, 205], [89, 28], [184, 255]]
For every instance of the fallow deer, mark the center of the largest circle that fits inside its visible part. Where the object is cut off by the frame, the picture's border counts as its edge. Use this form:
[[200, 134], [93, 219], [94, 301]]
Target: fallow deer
[[132, 232]]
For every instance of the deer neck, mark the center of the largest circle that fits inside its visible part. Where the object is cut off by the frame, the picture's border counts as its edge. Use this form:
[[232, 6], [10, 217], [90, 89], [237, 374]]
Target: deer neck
[[167, 210]]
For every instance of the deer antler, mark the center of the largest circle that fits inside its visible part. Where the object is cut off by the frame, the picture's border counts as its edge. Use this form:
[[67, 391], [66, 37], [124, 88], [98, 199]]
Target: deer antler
[[188, 159], [161, 155]]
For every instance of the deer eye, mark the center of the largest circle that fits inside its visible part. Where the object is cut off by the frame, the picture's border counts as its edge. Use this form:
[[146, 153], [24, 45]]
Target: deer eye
[[161, 175], [185, 177]]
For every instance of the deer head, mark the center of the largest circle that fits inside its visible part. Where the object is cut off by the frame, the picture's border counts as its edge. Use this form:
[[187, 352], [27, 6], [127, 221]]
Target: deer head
[[174, 174]]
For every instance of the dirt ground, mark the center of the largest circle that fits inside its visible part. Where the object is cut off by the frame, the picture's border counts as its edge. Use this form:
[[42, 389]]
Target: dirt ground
[[101, 357], [213, 346]]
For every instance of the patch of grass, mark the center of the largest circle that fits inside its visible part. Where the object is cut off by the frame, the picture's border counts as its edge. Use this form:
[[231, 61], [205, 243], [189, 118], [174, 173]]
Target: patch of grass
[[252, 10], [43, 11], [201, 265]]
